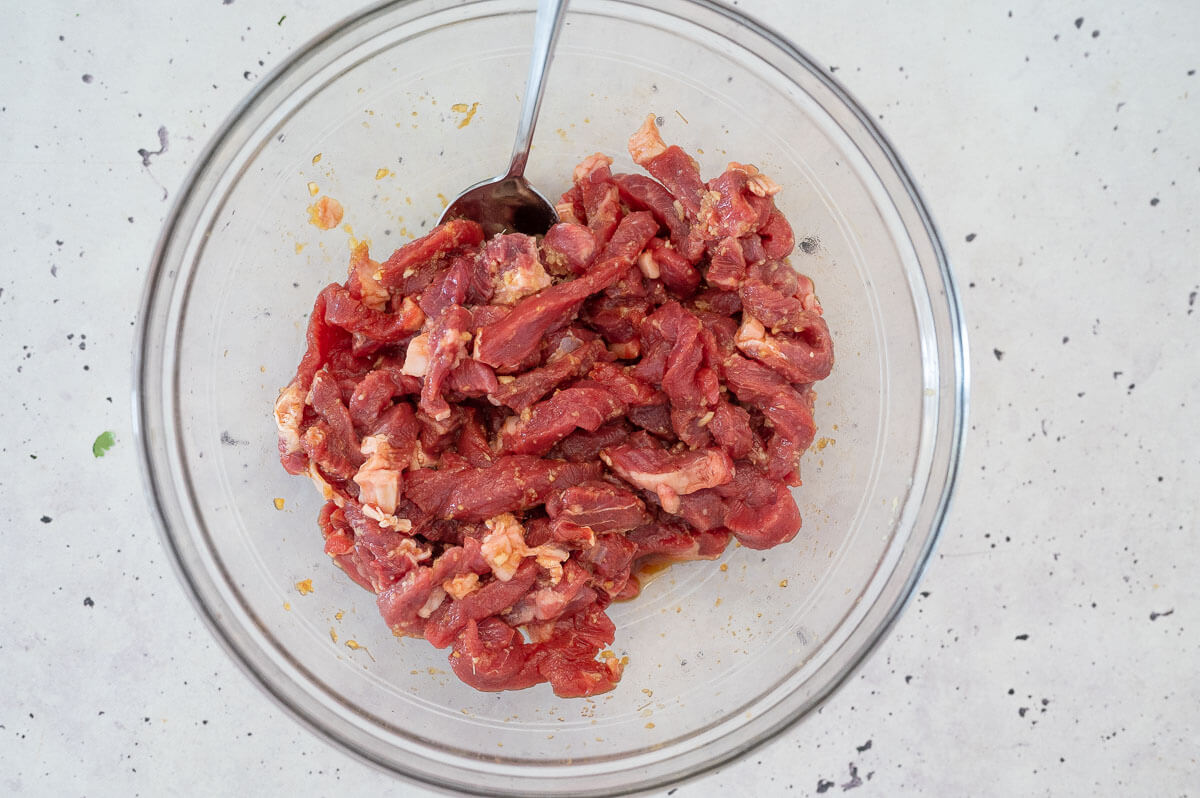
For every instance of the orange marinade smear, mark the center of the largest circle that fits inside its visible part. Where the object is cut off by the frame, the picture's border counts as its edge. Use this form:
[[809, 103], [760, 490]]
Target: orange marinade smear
[[326, 213]]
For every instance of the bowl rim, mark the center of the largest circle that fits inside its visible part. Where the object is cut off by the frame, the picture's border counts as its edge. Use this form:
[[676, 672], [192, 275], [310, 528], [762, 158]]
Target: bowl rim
[[143, 362]]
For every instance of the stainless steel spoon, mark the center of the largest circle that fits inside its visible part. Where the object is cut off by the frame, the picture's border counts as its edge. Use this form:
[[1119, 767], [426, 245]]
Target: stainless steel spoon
[[508, 203]]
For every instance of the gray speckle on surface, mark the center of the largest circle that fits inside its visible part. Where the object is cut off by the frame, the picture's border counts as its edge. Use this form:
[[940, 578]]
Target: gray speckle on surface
[[162, 147], [228, 440]]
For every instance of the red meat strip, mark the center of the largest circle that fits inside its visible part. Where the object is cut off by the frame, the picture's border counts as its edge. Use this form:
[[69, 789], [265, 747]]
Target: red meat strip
[[642, 193], [399, 425], [581, 406], [802, 353], [443, 239], [752, 248], [601, 200], [570, 206], [760, 513], [671, 540], [512, 339], [518, 335], [778, 240], [494, 597], [513, 484], [352, 315], [704, 510], [617, 320], [447, 346], [788, 411], [339, 537], [671, 166], [375, 392], [490, 655], [553, 601], [323, 338], [628, 389], [436, 436], [767, 304], [676, 271], [631, 237], [582, 446], [566, 659], [569, 248], [598, 505], [472, 444], [407, 604], [784, 279], [326, 399], [508, 269], [523, 390], [611, 560], [716, 301], [691, 386], [449, 288], [472, 379], [730, 428], [737, 210], [669, 474], [727, 265]]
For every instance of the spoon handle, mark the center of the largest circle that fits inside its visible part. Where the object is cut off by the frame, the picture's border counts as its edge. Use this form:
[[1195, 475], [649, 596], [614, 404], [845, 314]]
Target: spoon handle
[[546, 25]]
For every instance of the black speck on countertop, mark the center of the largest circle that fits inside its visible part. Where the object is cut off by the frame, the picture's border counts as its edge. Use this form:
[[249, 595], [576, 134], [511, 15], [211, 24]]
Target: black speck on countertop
[[229, 440], [87, 77], [854, 781], [823, 785], [87, 601], [46, 519], [1095, 34], [1079, 23], [1153, 201], [162, 147], [864, 747], [999, 354], [1022, 637], [1154, 616], [970, 237]]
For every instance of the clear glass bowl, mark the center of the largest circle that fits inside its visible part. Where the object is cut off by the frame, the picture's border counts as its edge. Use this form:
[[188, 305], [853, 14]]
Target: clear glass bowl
[[720, 659]]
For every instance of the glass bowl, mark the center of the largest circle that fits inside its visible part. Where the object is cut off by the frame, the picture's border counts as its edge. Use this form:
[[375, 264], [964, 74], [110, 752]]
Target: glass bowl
[[406, 104]]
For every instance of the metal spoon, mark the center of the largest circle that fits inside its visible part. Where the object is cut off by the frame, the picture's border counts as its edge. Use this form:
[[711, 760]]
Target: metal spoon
[[508, 203]]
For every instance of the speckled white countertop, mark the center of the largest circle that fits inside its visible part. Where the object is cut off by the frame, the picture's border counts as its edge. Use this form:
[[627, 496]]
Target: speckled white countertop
[[1055, 643]]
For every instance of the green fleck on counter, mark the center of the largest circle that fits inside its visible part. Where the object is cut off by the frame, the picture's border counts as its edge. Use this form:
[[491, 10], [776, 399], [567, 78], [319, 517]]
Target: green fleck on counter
[[104, 441]]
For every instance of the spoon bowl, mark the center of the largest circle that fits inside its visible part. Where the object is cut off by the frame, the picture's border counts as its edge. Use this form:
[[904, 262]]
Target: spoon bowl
[[507, 204]]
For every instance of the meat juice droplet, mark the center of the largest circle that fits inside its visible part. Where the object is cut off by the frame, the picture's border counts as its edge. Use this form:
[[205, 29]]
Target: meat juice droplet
[[648, 572]]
